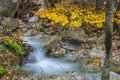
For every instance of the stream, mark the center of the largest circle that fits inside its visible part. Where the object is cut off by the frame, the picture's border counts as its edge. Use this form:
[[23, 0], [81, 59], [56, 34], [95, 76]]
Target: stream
[[39, 64]]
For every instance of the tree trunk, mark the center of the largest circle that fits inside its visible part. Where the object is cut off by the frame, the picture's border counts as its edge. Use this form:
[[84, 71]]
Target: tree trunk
[[99, 4], [9, 7], [108, 40]]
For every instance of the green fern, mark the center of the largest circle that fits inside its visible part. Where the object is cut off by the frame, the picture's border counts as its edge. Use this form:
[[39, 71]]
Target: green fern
[[14, 47]]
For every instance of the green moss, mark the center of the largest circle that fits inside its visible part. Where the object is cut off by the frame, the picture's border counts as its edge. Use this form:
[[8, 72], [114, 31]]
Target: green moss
[[2, 71], [14, 47]]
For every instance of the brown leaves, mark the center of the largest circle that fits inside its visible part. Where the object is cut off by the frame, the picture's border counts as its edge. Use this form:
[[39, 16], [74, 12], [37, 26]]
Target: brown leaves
[[96, 61]]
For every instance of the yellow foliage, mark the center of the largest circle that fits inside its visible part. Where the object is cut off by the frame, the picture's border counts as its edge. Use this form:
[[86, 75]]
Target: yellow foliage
[[14, 35], [119, 68], [117, 19], [74, 16]]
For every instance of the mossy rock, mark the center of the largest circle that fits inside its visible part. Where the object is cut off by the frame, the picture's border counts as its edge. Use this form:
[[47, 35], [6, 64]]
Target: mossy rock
[[2, 71]]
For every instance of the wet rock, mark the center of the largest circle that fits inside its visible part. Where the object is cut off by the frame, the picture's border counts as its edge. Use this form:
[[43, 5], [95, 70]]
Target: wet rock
[[58, 53], [27, 49], [51, 43]]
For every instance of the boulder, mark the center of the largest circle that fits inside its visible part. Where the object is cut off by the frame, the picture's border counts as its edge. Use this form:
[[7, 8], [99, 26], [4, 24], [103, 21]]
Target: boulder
[[74, 34], [114, 76], [51, 43], [8, 23]]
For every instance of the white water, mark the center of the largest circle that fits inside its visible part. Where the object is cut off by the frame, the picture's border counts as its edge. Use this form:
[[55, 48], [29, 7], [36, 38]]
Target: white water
[[39, 64]]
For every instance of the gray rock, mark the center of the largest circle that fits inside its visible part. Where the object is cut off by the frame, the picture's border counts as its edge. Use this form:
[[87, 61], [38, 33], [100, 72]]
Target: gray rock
[[31, 32], [74, 34], [95, 52], [34, 19], [51, 43], [70, 46], [9, 23], [114, 76]]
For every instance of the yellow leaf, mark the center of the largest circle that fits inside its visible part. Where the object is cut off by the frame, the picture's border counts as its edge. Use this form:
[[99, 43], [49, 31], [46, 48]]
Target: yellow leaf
[[115, 62], [22, 39], [118, 68], [14, 35]]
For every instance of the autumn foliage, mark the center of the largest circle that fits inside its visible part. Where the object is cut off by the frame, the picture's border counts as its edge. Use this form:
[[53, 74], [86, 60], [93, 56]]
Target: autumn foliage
[[74, 16]]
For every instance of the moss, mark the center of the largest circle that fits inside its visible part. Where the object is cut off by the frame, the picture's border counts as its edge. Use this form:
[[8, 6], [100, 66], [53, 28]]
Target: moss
[[14, 47], [2, 71]]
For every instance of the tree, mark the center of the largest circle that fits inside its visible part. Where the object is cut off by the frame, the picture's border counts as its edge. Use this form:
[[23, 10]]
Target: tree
[[108, 39], [9, 7]]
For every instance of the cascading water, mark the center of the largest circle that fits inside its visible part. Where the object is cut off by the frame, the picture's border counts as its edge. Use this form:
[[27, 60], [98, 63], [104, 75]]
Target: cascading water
[[39, 64]]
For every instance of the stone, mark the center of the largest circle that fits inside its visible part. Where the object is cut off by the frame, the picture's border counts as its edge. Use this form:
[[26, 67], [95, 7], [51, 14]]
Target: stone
[[71, 45], [34, 19], [8, 8], [8, 23], [51, 43], [58, 53], [114, 76], [92, 68], [30, 32], [88, 58], [74, 34], [95, 52], [27, 49]]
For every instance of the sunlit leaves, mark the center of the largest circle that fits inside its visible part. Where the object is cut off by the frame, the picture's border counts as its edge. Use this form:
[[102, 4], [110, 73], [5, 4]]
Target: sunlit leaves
[[117, 17], [72, 15]]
